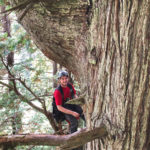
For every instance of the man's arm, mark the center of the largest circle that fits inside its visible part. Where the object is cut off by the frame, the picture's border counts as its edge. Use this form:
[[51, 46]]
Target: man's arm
[[67, 111]]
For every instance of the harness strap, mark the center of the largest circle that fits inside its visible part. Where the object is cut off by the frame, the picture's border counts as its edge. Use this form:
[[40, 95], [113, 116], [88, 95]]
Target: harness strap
[[71, 90], [61, 91]]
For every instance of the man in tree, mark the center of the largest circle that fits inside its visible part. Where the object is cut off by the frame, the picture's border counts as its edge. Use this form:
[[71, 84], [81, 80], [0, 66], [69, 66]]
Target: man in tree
[[62, 111]]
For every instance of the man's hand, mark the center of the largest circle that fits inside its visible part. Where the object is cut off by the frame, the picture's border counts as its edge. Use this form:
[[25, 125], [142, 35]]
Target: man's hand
[[75, 114]]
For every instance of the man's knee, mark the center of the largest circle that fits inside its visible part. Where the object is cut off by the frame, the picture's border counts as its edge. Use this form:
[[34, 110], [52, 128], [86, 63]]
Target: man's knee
[[79, 109]]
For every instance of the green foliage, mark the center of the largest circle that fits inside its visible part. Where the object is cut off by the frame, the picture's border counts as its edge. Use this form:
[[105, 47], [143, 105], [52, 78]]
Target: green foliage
[[36, 147], [5, 3], [1, 2], [11, 109], [31, 66]]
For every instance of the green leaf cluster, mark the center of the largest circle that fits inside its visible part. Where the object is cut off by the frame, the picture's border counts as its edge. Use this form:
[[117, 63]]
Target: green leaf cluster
[[34, 68]]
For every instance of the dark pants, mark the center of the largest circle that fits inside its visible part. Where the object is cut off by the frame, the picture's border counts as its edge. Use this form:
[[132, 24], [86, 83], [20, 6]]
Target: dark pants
[[72, 120]]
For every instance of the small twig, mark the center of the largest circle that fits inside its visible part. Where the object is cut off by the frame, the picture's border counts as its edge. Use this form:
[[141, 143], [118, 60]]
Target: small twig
[[23, 98], [44, 107], [46, 95], [26, 5], [25, 11], [60, 131], [29, 89], [6, 121], [1, 78], [3, 61], [31, 147], [19, 6], [6, 85]]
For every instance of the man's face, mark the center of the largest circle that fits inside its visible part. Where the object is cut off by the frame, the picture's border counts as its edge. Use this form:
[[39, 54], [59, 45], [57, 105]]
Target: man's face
[[63, 81]]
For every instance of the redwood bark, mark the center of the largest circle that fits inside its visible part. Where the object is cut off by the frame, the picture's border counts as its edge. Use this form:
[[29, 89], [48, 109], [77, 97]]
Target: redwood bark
[[105, 43]]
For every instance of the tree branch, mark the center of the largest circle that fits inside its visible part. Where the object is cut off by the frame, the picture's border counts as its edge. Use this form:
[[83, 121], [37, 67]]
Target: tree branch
[[6, 85], [23, 98], [44, 110], [29, 89], [5, 121], [25, 11], [45, 95], [78, 101], [21, 6], [64, 141], [14, 88]]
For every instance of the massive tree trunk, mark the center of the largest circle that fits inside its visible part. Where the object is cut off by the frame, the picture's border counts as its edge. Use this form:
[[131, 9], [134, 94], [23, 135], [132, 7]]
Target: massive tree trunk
[[105, 43]]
